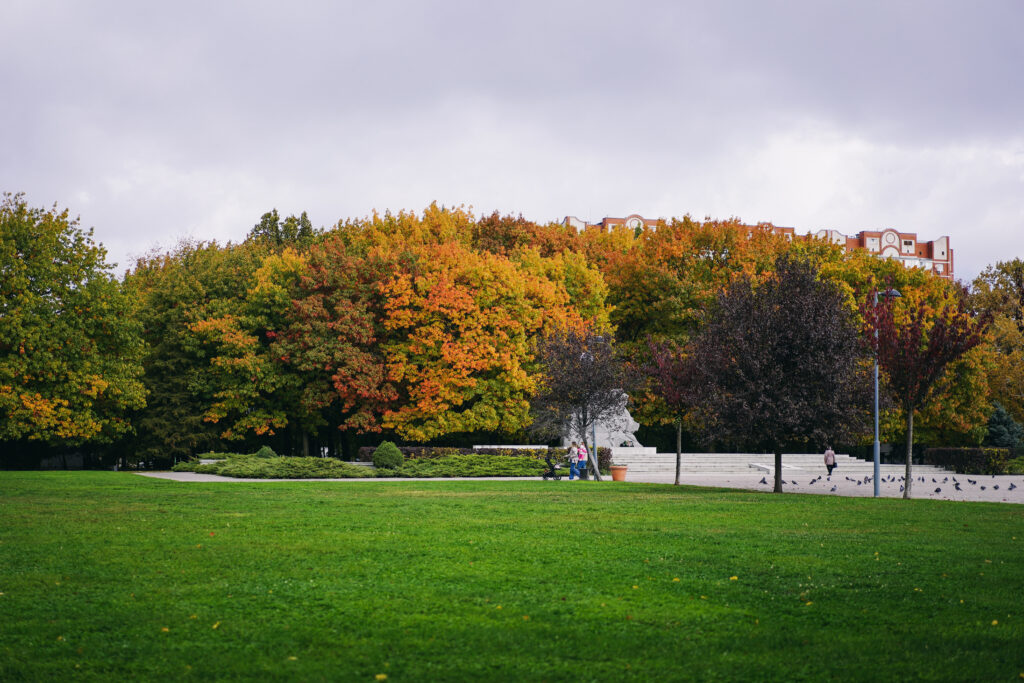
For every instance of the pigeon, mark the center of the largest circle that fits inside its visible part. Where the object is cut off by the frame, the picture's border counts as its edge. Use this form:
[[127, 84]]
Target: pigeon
[[956, 480], [792, 482], [763, 481], [833, 489], [957, 486], [938, 489], [945, 479], [982, 488], [1012, 486], [995, 487], [859, 483], [971, 481], [901, 488]]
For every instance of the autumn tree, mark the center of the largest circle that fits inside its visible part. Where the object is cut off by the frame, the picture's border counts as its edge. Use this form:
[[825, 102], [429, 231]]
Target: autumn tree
[[403, 325], [333, 334], [670, 379], [961, 405], [999, 290], [70, 345], [248, 390], [502, 235], [780, 363], [916, 351], [585, 381]]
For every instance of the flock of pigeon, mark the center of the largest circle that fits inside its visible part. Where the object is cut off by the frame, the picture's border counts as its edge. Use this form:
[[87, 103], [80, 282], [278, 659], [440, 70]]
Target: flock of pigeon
[[958, 485]]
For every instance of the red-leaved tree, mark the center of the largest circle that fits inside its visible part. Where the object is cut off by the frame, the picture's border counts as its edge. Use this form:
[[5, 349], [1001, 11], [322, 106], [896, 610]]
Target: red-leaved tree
[[915, 351], [670, 377]]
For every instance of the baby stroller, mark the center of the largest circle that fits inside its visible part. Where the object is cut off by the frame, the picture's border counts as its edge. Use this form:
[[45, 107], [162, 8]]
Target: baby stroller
[[553, 471]]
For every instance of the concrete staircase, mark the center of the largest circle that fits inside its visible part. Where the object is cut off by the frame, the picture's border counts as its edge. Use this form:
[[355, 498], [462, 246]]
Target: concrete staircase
[[645, 461]]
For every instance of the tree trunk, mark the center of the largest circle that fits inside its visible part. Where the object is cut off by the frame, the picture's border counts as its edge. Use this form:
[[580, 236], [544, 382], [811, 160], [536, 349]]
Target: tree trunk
[[910, 453], [679, 448], [592, 460], [778, 472], [305, 444]]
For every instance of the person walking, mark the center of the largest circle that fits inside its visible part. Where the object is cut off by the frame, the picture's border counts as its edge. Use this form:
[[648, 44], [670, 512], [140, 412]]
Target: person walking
[[583, 455], [574, 455], [830, 459]]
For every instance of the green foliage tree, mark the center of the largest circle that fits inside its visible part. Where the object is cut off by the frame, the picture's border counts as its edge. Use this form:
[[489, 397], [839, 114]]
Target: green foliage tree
[[177, 291], [1003, 430], [292, 231], [70, 344]]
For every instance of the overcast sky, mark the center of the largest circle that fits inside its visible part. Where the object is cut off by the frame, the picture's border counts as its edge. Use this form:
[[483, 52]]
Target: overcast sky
[[156, 121]]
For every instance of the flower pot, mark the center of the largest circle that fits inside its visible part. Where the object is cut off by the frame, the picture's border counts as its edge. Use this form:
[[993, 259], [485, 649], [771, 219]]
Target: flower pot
[[618, 473]]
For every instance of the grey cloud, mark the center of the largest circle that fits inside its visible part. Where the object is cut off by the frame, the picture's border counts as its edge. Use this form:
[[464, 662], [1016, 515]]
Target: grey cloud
[[156, 121]]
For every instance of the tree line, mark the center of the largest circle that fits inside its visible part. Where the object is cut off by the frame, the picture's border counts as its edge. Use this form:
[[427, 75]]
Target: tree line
[[425, 328]]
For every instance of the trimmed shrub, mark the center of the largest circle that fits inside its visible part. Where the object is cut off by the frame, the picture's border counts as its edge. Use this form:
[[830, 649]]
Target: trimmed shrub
[[415, 452], [276, 467], [265, 452], [1015, 466], [198, 467], [604, 454], [470, 465], [387, 456], [292, 468], [969, 460]]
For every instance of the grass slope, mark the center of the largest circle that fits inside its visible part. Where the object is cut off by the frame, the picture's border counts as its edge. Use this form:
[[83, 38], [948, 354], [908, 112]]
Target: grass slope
[[112, 576]]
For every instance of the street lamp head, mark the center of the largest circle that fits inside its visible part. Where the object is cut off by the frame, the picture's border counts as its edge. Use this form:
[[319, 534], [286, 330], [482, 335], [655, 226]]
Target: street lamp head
[[887, 294]]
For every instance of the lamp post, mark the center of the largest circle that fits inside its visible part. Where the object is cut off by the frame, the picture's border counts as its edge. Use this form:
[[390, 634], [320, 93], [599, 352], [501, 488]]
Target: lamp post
[[889, 293]]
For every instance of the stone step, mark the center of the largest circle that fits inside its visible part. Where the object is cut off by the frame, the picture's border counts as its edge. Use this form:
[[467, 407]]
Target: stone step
[[741, 463]]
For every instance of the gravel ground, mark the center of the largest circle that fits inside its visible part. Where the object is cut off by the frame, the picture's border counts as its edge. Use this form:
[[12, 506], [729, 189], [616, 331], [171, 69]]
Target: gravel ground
[[986, 488]]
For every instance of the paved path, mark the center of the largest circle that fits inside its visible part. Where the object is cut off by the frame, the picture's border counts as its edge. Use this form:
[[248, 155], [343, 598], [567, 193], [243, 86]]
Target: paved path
[[843, 485], [848, 486]]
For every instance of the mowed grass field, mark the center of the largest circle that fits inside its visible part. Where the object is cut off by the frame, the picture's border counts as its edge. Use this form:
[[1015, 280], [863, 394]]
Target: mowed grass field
[[113, 576]]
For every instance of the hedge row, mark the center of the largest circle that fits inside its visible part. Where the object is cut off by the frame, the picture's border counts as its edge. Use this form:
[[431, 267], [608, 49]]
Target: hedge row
[[604, 454], [473, 465], [277, 467], [970, 460]]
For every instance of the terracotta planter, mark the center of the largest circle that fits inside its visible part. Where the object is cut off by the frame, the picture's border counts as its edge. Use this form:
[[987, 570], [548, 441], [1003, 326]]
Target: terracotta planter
[[618, 473]]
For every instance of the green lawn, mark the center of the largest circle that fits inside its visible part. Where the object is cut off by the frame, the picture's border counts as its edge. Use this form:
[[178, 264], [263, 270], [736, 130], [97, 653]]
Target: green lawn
[[113, 576]]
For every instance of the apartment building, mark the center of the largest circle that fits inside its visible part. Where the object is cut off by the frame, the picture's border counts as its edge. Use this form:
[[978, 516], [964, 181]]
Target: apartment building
[[935, 255]]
